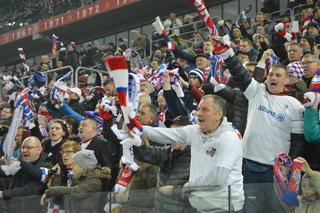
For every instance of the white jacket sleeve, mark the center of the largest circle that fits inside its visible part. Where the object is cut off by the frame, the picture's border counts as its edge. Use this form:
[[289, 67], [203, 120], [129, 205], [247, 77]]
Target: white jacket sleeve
[[165, 135]]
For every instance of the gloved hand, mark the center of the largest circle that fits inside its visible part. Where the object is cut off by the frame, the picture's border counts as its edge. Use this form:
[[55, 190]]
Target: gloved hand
[[134, 138], [311, 100], [279, 28], [217, 87], [58, 100], [108, 106], [12, 168], [222, 47]]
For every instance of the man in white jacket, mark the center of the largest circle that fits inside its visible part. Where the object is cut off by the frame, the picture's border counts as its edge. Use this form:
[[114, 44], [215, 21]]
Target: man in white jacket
[[216, 156]]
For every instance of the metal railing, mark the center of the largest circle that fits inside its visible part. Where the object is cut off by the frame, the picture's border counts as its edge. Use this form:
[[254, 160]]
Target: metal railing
[[65, 68]]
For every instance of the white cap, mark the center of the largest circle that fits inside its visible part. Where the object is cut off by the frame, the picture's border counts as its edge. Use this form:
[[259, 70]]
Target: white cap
[[76, 90]]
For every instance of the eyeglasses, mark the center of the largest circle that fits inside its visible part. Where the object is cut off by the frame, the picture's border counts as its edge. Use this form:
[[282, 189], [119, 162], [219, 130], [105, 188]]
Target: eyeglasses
[[28, 147], [67, 152], [307, 63]]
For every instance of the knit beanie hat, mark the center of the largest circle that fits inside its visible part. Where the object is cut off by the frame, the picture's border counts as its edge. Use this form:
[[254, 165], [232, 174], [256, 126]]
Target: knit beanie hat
[[295, 69], [198, 73], [85, 158]]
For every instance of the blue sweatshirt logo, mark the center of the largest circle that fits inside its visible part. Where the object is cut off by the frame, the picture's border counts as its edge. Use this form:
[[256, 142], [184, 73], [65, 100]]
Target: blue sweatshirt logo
[[278, 116]]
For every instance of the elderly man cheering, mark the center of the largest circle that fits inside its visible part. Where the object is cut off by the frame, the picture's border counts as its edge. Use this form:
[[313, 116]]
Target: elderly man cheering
[[216, 156]]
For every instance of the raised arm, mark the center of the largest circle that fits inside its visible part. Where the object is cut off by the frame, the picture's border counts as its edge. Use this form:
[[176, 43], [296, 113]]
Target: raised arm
[[166, 136]]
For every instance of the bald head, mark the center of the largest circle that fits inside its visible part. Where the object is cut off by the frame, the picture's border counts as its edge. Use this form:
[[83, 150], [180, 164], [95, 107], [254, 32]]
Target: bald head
[[31, 149]]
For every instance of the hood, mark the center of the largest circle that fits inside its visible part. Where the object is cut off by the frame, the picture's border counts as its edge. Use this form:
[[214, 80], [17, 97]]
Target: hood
[[103, 173]]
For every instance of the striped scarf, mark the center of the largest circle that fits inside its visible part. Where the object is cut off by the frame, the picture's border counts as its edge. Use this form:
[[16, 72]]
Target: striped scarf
[[206, 17], [287, 176], [26, 102], [315, 82], [215, 68]]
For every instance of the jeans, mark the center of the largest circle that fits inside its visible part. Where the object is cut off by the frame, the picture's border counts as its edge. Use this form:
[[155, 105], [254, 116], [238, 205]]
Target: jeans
[[258, 188]]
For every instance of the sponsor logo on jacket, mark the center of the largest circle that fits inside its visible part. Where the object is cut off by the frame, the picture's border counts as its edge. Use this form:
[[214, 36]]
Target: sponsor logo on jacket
[[278, 116]]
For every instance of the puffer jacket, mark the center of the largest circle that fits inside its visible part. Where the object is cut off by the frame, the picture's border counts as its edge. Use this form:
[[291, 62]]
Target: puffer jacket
[[239, 104]]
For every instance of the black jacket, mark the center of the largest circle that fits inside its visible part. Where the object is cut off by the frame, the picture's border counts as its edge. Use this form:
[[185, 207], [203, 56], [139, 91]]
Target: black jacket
[[174, 170], [25, 185], [107, 156]]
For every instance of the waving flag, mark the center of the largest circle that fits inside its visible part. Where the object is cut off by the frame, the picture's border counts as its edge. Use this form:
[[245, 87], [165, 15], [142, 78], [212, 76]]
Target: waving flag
[[133, 91], [24, 100], [157, 79], [274, 59], [215, 67], [60, 88], [15, 123], [161, 31], [271, 60], [54, 44], [118, 69], [136, 56], [206, 17]]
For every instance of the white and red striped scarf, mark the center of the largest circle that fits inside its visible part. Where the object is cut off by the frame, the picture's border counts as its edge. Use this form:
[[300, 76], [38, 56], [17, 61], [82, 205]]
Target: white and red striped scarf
[[206, 17]]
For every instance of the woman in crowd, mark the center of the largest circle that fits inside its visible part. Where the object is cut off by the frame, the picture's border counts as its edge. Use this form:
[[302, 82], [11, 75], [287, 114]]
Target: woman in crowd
[[52, 146]]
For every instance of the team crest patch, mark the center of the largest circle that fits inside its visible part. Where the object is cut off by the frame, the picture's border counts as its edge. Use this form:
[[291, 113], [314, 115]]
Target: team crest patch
[[211, 151]]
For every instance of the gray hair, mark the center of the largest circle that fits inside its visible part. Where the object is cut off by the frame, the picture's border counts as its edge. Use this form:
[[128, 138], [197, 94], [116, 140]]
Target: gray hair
[[313, 57], [218, 102]]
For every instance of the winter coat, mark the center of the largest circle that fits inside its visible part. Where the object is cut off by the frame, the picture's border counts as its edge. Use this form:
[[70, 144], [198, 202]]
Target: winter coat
[[312, 135], [238, 101], [175, 107], [240, 107], [72, 59], [24, 185], [53, 152], [89, 182], [141, 189], [107, 156], [307, 207], [174, 170]]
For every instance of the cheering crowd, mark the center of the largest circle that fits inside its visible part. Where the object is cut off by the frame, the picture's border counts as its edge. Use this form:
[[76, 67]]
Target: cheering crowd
[[21, 12], [228, 125]]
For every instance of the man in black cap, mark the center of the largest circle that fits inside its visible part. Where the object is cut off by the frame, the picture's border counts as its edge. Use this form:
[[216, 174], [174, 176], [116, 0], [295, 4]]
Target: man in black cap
[[174, 162]]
